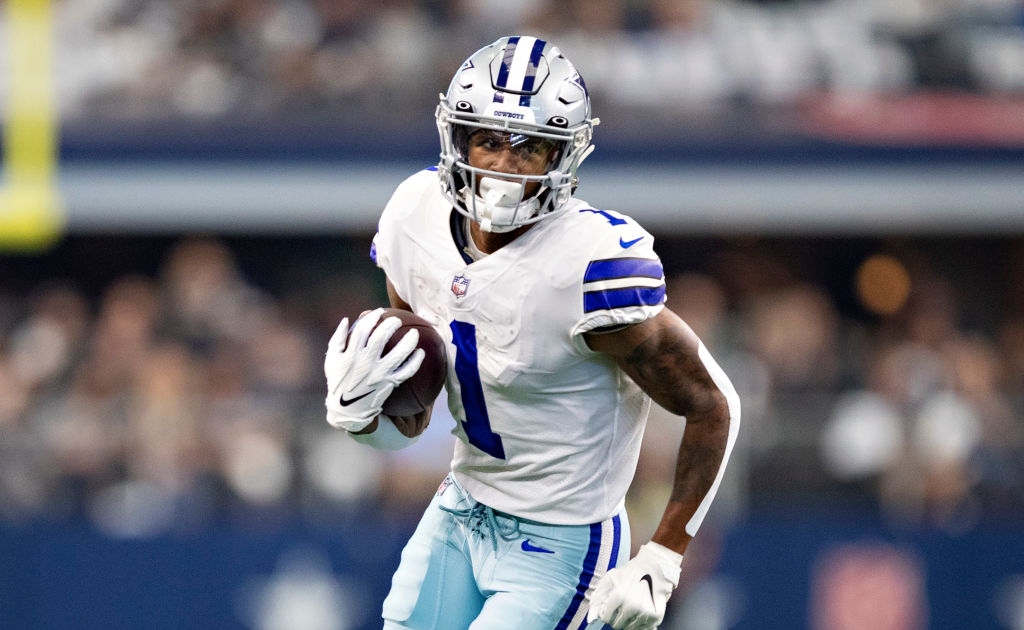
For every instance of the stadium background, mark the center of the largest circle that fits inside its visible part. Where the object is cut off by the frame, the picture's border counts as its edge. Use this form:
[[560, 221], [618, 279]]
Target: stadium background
[[190, 189]]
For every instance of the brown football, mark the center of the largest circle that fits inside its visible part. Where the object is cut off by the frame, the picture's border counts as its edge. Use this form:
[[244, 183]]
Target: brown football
[[423, 387]]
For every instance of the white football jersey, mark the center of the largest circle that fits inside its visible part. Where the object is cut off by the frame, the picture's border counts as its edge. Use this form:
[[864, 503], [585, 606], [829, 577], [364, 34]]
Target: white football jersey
[[547, 429]]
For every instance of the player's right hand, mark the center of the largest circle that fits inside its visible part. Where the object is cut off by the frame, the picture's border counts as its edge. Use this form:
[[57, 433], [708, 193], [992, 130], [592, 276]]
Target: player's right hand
[[360, 377]]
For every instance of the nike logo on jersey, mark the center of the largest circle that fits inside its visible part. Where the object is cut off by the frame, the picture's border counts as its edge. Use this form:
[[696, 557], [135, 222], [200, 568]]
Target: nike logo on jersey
[[628, 244], [650, 584], [526, 546], [346, 403]]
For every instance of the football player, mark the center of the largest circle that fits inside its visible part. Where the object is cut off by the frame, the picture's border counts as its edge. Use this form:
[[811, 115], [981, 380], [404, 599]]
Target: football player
[[558, 340]]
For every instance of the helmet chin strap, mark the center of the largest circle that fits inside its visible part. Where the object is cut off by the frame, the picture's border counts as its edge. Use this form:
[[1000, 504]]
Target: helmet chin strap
[[498, 203]]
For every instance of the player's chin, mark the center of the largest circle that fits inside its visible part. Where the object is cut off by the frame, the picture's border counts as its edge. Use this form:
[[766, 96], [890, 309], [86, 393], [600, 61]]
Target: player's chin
[[411, 426]]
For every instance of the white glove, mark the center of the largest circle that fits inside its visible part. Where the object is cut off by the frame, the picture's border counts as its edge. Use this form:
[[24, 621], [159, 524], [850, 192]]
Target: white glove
[[359, 379], [633, 596]]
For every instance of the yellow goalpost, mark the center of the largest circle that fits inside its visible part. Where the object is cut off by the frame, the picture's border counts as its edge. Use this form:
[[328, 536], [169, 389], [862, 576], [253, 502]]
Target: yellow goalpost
[[31, 213]]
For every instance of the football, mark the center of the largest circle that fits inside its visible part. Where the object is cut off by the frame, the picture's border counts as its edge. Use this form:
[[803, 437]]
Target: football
[[420, 391]]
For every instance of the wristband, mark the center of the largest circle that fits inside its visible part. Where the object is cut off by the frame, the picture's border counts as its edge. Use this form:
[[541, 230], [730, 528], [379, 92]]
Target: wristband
[[386, 437]]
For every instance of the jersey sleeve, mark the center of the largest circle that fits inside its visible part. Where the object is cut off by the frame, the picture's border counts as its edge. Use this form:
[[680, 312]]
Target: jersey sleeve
[[623, 281], [401, 215], [382, 252]]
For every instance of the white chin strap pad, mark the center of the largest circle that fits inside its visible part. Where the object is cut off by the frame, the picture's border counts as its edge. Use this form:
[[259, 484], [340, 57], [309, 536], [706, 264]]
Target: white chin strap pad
[[498, 204]]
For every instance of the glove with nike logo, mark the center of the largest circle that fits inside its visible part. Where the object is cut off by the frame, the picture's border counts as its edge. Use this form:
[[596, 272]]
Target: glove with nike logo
[[359, 376], [634, 596]]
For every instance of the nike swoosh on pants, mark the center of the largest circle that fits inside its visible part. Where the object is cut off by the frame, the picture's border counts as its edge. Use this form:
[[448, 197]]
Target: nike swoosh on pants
[[526, 546]]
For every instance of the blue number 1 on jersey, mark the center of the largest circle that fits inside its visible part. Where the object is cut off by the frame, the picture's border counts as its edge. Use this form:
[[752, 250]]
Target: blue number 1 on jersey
[[477, 424]]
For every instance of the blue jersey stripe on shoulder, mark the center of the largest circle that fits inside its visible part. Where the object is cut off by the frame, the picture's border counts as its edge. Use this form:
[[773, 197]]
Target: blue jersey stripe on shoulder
[[612, 268], [624, 297]]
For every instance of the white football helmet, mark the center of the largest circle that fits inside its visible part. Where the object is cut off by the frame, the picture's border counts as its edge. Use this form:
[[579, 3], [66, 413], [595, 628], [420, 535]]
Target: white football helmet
[[524, 88]]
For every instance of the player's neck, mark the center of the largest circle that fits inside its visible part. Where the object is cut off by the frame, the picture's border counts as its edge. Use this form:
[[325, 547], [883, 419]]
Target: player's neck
[[490, 242]]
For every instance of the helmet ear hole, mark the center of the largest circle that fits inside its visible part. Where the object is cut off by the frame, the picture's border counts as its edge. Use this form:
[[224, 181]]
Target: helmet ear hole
[[464, 106], [558, 121]]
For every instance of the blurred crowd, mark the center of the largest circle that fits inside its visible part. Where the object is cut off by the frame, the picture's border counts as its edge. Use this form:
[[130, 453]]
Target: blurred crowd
[[163, 401], [253, 59], [168, 401], [192, 395], [908, 406]]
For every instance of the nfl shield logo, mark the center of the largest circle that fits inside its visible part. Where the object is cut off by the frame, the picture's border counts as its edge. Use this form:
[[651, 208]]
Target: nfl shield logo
[[444, 485], [460, 284]]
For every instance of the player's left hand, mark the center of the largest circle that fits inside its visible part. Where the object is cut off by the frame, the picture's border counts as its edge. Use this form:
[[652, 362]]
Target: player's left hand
[[634, 596]]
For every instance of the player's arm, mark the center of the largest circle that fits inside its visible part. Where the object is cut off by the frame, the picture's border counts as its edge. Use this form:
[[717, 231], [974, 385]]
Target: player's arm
[[395, 299], [667, 360]]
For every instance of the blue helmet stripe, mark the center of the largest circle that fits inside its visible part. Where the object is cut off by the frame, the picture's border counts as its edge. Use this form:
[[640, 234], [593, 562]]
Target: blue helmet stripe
[[531, 71], [506, 63]]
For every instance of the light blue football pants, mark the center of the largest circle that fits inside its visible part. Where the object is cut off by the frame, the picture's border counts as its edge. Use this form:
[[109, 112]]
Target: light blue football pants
[[468, 567]]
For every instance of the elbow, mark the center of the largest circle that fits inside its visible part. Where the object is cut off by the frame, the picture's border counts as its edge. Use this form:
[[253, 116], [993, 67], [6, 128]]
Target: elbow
[[729, 407], [732, 401], [713, 405], [718, 399], [694, 406]]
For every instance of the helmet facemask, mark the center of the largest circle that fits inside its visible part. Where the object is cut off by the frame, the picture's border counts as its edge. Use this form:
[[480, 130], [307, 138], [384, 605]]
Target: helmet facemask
[[553, 117]]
